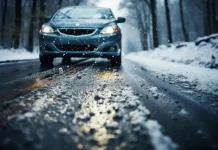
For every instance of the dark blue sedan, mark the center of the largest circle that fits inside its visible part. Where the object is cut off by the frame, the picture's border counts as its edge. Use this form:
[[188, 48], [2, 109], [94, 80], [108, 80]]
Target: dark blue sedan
[[81, 32]]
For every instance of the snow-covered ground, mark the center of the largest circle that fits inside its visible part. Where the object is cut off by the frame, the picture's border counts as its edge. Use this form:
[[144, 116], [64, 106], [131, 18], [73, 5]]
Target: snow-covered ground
[[17, 54], [196, 61]]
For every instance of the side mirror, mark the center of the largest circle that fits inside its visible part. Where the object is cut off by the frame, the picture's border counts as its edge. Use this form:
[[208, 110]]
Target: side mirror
[[47, 18], [120, 20]]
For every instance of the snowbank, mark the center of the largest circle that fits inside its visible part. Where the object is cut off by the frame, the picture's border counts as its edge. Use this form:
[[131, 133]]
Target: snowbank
[[185, 53], [194, 60], [17, 54]]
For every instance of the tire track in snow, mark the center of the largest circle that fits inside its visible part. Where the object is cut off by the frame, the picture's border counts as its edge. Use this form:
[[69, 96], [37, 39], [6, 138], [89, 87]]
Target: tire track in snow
[[105, 112]]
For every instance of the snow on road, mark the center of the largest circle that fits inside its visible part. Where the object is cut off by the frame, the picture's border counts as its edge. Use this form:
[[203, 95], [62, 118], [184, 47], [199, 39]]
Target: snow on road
[[99, 116], [196, 63]]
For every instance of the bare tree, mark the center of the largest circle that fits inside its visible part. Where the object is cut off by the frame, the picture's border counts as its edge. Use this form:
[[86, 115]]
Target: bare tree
[[142, 30], [154, 22], [30, 45], [186, 37], [170, 40], [17, 25], [60, 3], [5, 3], [42, 12], [211, 14], [214, 12]]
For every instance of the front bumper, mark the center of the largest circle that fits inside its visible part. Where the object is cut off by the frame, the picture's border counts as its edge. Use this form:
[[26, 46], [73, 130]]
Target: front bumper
[[96, 45]]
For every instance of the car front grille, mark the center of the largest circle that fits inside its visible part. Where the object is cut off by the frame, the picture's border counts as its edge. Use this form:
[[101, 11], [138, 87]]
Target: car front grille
[[77, 32], [77, 48]]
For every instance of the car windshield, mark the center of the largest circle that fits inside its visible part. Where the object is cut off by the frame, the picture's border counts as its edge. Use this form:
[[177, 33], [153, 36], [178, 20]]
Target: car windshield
[[84, 13]]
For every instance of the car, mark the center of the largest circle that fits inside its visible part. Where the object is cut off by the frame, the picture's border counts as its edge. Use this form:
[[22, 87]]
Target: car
[[81, 32]]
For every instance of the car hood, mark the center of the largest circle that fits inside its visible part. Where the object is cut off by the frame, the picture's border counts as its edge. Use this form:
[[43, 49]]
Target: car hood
[[81, 23]]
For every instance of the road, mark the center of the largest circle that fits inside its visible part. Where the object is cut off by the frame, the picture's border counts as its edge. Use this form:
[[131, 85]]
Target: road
[[94, 105]]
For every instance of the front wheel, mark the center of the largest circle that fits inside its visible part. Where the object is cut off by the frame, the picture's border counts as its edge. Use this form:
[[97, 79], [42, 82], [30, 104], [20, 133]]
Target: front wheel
[[116, 60], [66, 60], [46, 59]]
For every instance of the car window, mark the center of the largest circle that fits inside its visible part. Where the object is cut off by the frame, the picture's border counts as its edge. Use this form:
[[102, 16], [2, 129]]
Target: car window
[[84, 13]]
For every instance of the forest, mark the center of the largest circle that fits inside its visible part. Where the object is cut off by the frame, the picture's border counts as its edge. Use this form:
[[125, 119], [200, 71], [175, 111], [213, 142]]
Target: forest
[[157, 21]]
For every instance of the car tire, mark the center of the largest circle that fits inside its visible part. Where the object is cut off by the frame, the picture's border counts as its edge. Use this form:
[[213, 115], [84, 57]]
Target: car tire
[[66, 60], [46, 59], [116, 61]]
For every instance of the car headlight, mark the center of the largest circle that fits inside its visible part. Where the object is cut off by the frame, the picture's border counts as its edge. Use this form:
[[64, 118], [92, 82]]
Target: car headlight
[[47, 29], [109, 29]]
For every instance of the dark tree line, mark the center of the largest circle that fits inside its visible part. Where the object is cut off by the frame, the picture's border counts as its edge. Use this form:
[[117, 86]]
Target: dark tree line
[[210, 17], [176, 20], [23, 19], [206, 8], [158, 21], [4, 10]]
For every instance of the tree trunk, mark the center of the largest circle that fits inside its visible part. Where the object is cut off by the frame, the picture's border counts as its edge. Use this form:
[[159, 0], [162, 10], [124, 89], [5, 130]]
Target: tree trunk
[[206, 21], [141, 27], [142, 32], [60, 3], [42, 12], [210, 17], [154, 22], [30, 45], [170, 40], [1, 8], [216, 14], [3, 21], [213, 16], [186, 37], [17, 27]]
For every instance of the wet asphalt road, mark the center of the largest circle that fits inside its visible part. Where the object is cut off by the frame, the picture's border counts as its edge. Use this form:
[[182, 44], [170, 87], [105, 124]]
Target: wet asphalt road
[[94, 105]]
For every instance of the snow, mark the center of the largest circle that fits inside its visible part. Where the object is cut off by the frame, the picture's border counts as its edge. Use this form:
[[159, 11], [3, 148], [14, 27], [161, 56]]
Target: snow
[[212, 36], [159, 141], [186, 59], [17, 54], [23, 117], [188, 54], [183, 112], [43, 102], [154, 91], [139, 117], [61, 71], [112, 125]]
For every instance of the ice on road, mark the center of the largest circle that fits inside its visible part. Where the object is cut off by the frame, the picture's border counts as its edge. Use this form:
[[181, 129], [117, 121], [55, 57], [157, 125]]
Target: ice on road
[[97, 111]]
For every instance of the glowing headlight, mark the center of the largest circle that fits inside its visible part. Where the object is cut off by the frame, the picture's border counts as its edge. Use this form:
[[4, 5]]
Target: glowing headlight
[[109, 30], [47, 29]]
